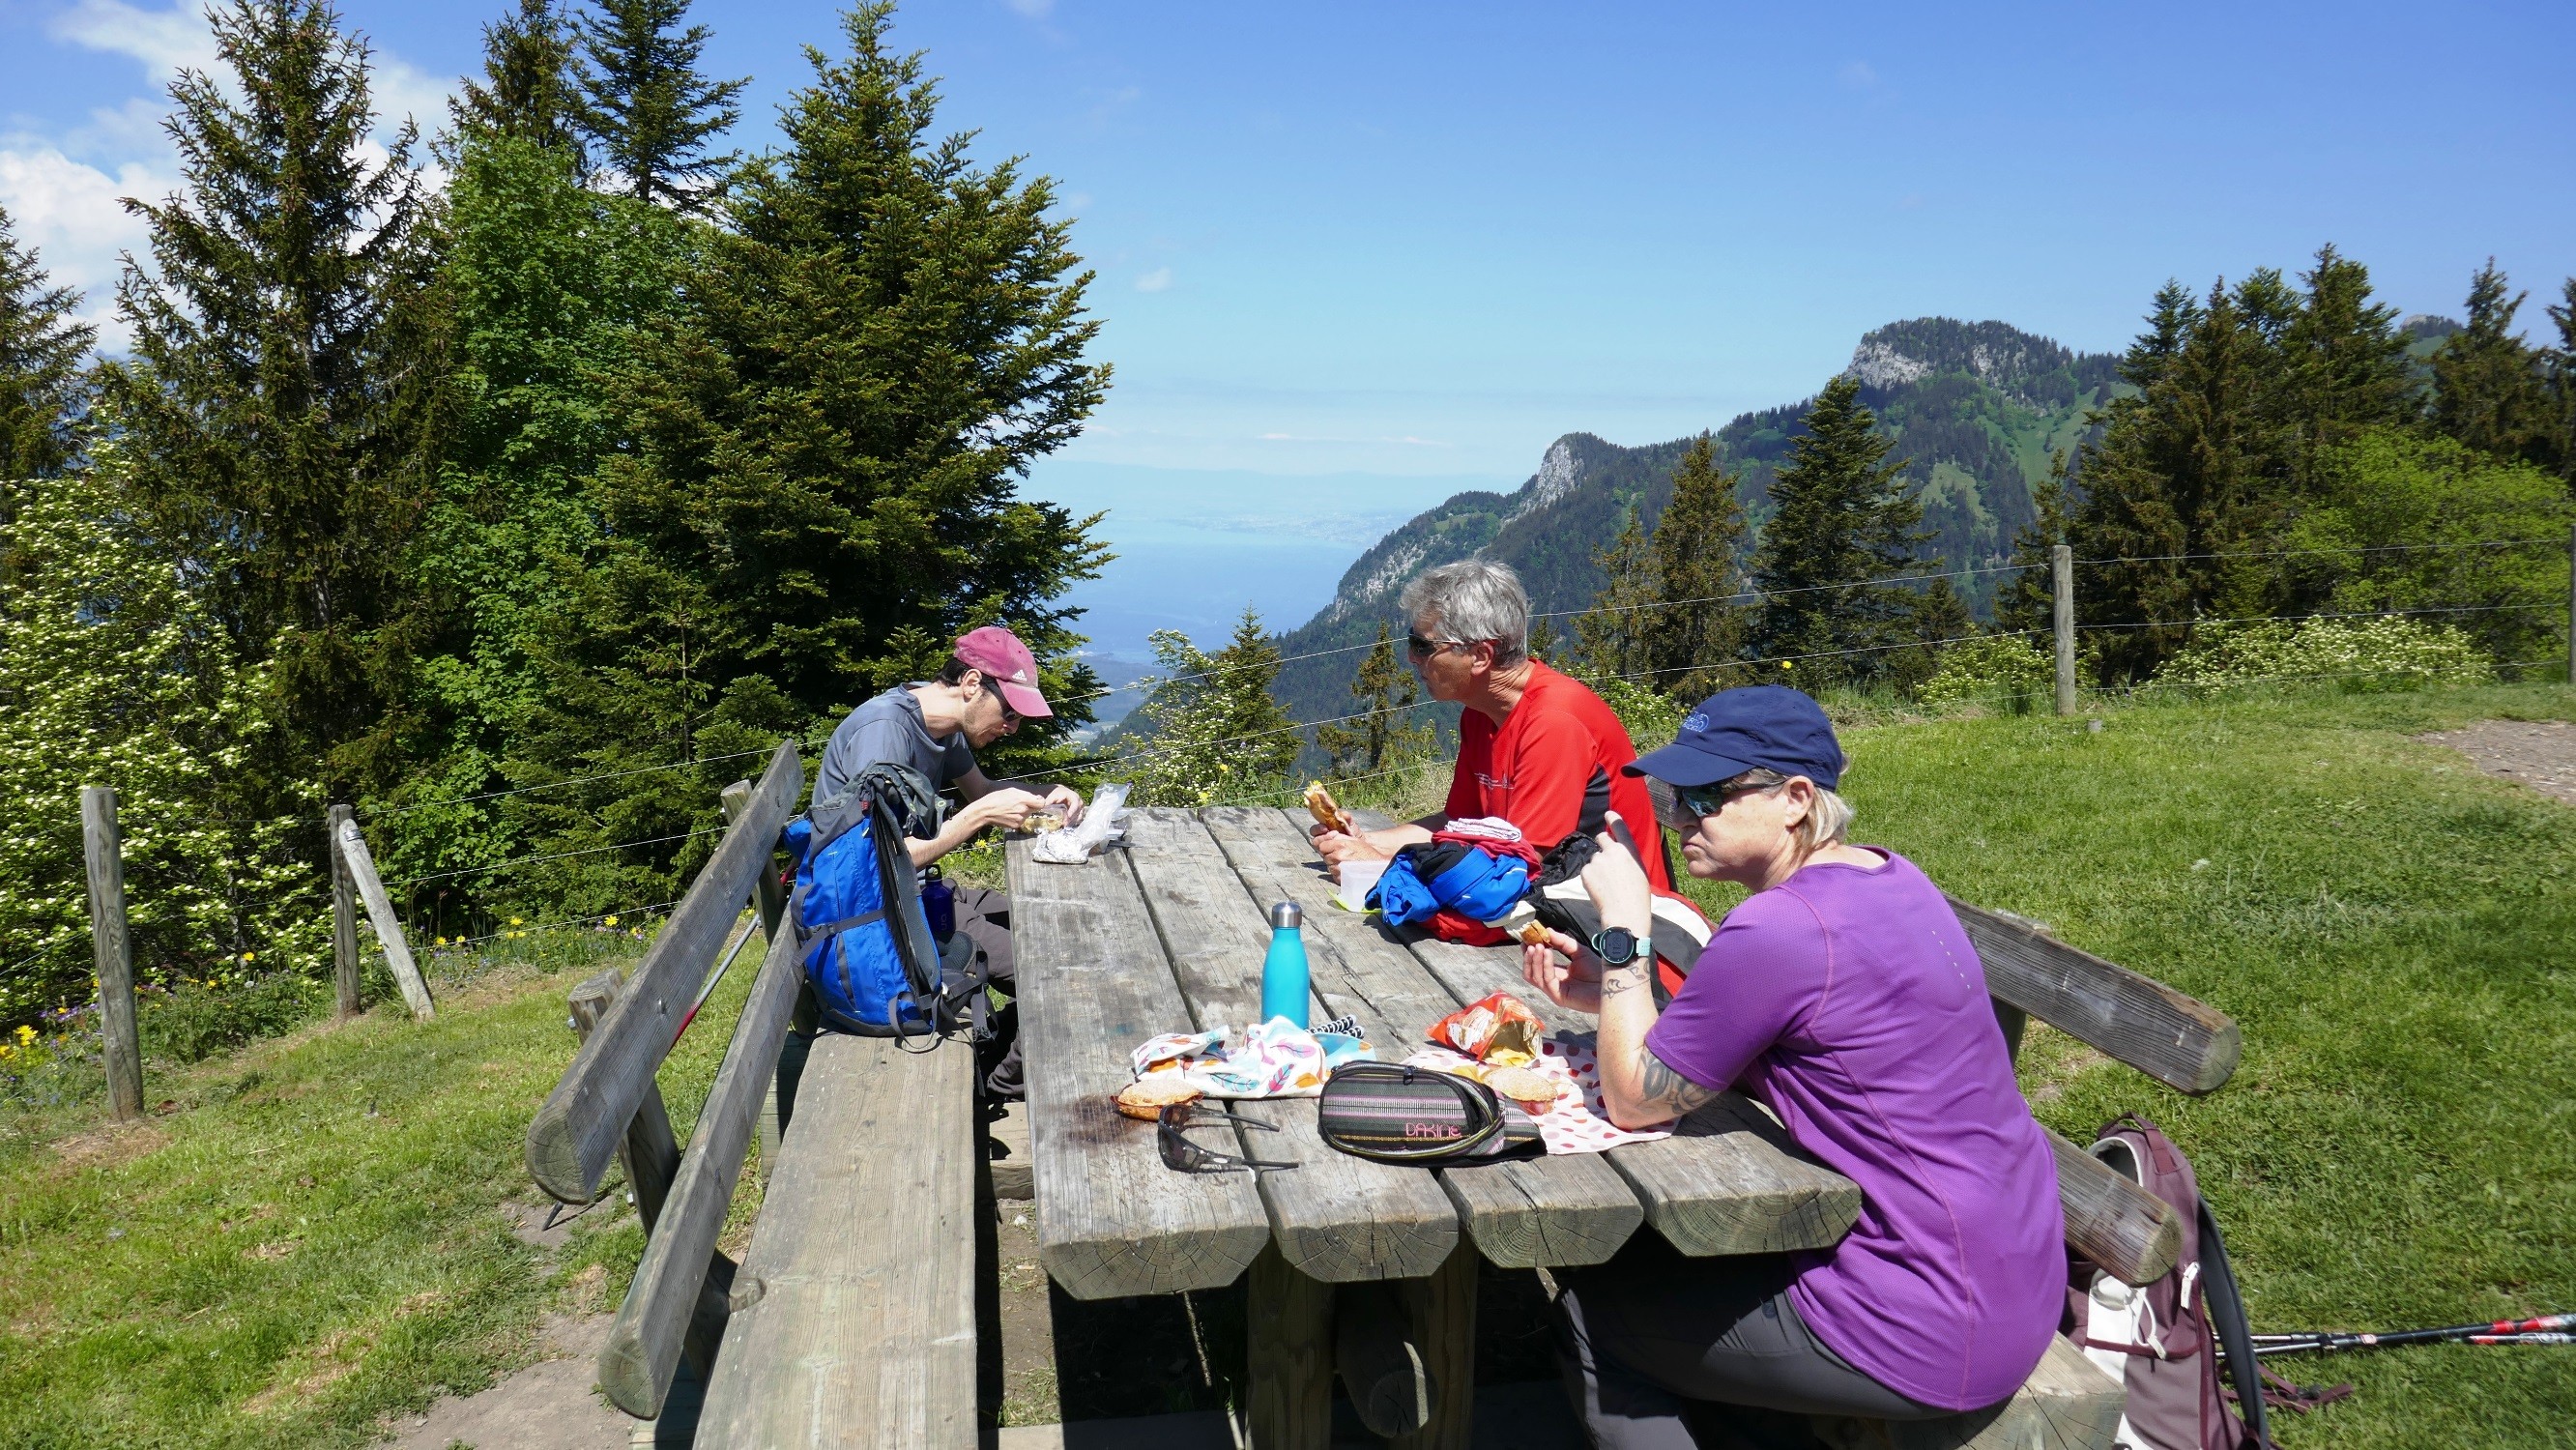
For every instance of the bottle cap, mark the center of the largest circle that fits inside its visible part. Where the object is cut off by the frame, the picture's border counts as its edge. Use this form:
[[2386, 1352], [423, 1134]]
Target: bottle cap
[[1286, 914]]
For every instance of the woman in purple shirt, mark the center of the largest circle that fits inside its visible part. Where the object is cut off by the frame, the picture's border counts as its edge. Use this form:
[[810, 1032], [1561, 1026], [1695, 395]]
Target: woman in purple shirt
[[1844, 995]]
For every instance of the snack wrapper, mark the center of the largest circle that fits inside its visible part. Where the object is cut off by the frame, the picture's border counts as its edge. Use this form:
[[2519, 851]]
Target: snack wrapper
[[1497, 1028], [1276, 1059]]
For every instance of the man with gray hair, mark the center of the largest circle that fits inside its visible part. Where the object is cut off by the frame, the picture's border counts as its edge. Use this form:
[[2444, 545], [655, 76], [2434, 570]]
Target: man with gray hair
[[1535, 747]]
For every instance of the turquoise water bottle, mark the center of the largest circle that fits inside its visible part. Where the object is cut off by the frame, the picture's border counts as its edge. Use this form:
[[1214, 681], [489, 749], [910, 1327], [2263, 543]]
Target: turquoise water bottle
[[1284, 987]]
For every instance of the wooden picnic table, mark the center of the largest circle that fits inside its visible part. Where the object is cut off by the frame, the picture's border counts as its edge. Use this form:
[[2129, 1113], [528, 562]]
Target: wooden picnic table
[[1167, 933]]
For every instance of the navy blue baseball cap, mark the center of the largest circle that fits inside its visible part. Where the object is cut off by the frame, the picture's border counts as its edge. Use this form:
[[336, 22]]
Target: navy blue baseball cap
[[1766, 727]]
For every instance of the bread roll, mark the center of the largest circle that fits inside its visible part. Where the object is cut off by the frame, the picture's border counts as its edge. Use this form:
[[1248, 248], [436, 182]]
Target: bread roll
[[1147, 1096]]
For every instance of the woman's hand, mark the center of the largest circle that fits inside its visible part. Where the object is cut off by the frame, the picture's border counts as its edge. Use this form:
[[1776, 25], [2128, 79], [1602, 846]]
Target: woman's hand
[[1618, 886], [1336, 847], [1565, 970]]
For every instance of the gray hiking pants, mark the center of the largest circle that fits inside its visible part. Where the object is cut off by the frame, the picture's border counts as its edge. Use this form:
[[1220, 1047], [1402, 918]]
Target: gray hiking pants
[[1644, 1336]]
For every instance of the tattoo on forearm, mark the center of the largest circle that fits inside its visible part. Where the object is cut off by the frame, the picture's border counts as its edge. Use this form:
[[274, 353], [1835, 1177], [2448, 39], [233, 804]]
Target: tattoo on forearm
[[1658, 1083], [1619, 979]]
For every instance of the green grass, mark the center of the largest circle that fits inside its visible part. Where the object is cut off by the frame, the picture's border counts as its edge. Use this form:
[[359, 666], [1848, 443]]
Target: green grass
[[309, 1240], [2393, 932], [2391, 929]]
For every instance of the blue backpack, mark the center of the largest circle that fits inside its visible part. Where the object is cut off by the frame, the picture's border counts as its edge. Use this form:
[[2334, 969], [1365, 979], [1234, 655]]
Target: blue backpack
[[869, 955]]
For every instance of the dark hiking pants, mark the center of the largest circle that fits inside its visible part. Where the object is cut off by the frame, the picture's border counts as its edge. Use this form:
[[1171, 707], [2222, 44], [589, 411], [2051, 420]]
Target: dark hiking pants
[[1664, 1352]]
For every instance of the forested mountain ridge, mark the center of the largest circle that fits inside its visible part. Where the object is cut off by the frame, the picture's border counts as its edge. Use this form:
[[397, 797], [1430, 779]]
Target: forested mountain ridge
[[1977, 409]]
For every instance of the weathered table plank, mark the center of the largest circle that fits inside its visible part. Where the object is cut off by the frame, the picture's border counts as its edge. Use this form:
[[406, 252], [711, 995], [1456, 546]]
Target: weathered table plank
[[1523, 1213], [1335, 1217], [1094, 982], [1727, 1182], [857, 1325]]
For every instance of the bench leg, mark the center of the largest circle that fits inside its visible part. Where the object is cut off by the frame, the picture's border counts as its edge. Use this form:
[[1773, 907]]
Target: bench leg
[[1290, 1348], [1442, 1310]]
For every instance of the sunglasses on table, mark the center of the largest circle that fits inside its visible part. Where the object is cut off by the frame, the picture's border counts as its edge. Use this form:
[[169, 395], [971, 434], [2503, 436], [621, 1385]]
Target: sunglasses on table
[[1183, 1156]]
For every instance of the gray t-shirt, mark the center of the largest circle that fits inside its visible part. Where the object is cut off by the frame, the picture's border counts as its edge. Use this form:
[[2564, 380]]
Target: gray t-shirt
[[891, 727]]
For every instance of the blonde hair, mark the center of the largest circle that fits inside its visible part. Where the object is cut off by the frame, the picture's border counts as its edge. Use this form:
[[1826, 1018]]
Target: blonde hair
[[1827, 821]]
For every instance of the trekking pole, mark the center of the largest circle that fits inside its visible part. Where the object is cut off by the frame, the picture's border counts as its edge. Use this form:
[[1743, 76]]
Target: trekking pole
[[2546, 1329], [718, 975]]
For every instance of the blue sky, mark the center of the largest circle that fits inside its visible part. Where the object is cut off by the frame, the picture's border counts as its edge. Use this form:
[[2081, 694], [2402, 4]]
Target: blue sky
[[1410, 244]]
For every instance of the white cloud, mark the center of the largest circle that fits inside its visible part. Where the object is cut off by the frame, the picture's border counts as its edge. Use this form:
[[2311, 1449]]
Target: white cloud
[[1158, 280], [73, 215], [1859, 76], [164, 40], [1033, 9], [167, 41]]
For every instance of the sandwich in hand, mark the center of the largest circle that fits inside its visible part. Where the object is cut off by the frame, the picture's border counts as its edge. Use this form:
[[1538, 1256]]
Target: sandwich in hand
[[1327, 812]]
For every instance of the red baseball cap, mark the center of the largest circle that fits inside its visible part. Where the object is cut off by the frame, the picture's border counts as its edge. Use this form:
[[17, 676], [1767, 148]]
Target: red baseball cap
[[1009, 665]]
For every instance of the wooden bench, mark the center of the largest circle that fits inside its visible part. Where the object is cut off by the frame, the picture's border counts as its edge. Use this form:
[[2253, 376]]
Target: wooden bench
[[854, 1310], [852, 1319]]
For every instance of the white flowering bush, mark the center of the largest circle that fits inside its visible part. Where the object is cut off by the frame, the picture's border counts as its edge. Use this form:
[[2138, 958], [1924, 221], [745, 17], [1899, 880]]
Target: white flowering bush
[[2382, 654], [2007, 672], [111, 675]]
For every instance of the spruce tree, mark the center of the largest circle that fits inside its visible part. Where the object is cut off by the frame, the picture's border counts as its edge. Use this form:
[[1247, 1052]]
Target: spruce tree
[[1842, 522], [2193, 473], [2561, 368], [1698, 632], [1379, 736], [2028, 601], [527, 92], [1543, 641], [646, 109], [1217, 734], [283, 398], [2347, 359], [2487, 387], [817, 483], [1612, 637], [43, 394]]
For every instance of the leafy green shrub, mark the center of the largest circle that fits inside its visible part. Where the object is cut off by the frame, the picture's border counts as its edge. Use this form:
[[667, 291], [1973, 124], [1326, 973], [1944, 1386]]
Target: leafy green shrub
[[2355, 655], [193, 1021], [1653, 718], [2006, 671]]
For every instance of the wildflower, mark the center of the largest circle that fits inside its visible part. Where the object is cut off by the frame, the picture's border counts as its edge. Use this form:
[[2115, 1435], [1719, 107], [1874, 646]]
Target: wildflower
[[514, 921], [612, 921], [249, 957], [26, 1035]]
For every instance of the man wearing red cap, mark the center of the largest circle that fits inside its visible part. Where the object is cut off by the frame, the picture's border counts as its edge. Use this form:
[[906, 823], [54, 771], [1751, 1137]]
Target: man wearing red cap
[[934, 727]]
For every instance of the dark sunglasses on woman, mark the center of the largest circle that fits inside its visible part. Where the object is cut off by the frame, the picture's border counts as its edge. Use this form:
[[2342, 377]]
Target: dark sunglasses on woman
[[1183, 1156], [1683, 807]]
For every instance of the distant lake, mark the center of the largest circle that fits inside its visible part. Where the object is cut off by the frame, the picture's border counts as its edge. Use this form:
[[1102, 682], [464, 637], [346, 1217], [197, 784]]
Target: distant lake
[[1195, 546]]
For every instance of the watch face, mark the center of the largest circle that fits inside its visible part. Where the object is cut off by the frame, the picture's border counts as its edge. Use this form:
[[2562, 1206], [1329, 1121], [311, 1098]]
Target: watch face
[[1617, 946]]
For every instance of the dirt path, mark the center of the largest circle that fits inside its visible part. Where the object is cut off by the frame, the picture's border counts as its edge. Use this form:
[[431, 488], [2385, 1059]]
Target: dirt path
[[2538, 753]]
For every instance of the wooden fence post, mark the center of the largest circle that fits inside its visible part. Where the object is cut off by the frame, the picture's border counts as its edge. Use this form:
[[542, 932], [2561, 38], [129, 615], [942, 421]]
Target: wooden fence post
[[380, 913], [2061, 559], [113, 949], [344, 917]]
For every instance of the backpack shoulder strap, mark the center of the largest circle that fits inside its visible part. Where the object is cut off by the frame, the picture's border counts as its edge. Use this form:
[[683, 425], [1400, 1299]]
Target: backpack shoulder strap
[[2227, 1316]]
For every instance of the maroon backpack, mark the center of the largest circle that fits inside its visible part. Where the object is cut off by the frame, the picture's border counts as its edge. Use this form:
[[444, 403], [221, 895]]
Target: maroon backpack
[[2164, 1341]]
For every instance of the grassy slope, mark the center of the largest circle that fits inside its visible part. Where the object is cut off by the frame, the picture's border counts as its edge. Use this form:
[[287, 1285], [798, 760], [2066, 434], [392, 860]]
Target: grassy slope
[[310, 1241], [2392, 931], [2390, 928]]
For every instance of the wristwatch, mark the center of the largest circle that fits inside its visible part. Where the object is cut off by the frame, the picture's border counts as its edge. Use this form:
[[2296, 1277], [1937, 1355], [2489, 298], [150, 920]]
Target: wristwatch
[[1617, 946]]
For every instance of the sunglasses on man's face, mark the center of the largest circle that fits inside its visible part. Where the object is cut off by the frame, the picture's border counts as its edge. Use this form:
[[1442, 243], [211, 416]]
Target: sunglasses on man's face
[[1010, 718], [1184, 1156], [1422, 649]]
